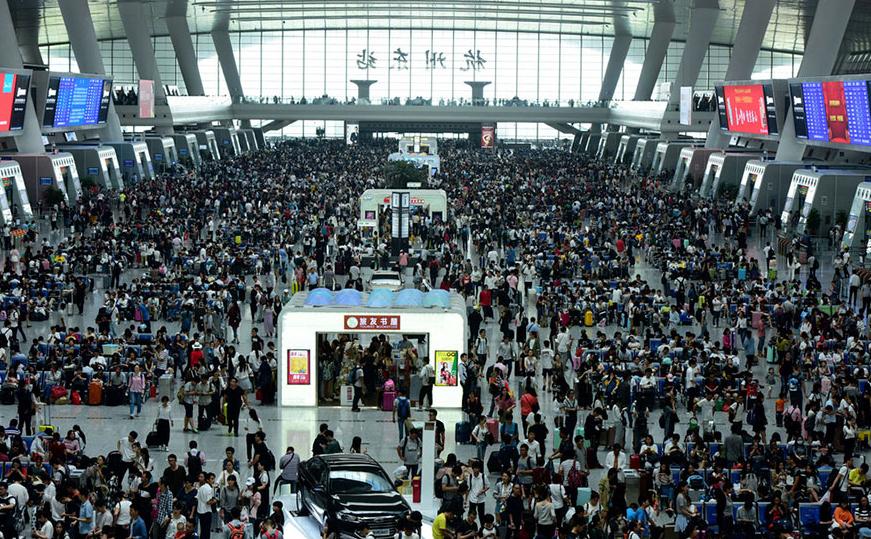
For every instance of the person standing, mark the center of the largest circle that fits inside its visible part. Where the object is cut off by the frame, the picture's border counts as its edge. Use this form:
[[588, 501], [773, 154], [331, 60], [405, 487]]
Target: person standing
[[401, 411], [128, 453], [427, 378], [205, 501], [478, 488], [234, 397], [357, 379], [409, 451]]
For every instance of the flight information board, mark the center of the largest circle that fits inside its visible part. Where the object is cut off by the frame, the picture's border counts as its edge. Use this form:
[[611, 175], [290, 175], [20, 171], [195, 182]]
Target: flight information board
[[14, 88], [835, 111], [76, 101]]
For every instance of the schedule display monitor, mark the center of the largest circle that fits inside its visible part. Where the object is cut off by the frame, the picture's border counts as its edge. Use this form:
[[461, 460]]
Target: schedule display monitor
[[832, 111], [75, 101], [14, 88], [748, 109]]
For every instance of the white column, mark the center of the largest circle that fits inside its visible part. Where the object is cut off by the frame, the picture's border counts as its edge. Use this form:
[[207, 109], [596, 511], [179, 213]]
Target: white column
[[83, 40], [179, 33], [748, 40], [703, 17], [30, 139], [135, 20], [820, 52], [657, 47], [427, 469]]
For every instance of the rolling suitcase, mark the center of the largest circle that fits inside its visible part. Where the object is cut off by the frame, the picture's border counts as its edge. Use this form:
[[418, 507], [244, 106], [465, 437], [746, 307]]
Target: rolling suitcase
[[95, 393], [635, 462], [164, 387], [493, 429], [584, 494], [387, 399], [463, 432], [152, 440], [204, 423]]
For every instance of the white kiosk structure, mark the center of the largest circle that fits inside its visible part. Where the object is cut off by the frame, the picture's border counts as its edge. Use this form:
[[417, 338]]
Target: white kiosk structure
[[438, 314], [101, 162], [829, 191], [666, 156], [373, 201], [723, 169], [42, 171], [188, 149], [608, 144], [765, 183], [642, 156], [208, 144], [135, 160], [228, 140], [690, 165], [14, 201], [857, 235], [163, 152], [626, 148]]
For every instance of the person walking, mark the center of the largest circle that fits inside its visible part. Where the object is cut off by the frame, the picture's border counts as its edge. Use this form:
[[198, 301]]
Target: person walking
[[234, 397], [135, 390], [205, 502], [357, 380], [164, 422]]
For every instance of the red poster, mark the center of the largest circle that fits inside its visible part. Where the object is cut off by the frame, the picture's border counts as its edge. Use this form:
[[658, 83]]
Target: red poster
[[488, 136], [745, 109], [7, 96], [146, 98], [372, 323], [836, 111]]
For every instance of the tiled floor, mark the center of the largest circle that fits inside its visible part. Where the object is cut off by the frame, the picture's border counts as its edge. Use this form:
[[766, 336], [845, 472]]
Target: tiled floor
[[284, 426]]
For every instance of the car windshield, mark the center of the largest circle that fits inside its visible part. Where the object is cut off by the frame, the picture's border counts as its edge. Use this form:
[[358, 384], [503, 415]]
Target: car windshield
[[357, 482]]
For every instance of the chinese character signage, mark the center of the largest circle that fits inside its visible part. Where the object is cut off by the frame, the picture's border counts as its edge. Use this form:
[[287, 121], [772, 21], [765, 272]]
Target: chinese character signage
[[146, 98], [488, 136], [372, 323], [298, 367], [446, 366], [471, 60]]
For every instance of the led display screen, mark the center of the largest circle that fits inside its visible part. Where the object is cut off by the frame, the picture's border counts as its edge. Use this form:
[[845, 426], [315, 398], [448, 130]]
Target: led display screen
[[832, 111], [747, 108], [76, 101]]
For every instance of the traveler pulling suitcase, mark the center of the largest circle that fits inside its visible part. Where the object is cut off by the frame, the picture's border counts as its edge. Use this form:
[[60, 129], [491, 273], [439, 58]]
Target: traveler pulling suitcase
[[95, 393]]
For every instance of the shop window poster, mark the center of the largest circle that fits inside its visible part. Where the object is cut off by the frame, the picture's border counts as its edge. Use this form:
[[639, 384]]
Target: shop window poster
[[446, 367], [298, 367]]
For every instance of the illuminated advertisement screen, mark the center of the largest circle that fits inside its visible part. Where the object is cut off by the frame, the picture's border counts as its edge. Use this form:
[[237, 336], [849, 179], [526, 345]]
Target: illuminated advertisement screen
[[832, 111], [13, 100], [747, 108]]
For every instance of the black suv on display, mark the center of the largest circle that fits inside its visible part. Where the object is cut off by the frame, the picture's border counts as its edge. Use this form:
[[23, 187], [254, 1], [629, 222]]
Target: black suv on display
[[344, 490]]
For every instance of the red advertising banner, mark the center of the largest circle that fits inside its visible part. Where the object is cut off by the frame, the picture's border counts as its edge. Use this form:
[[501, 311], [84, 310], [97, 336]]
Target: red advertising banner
[[372, 323], [745, 109], [298, 367], [836, 111], [488, 136], [146, 98]]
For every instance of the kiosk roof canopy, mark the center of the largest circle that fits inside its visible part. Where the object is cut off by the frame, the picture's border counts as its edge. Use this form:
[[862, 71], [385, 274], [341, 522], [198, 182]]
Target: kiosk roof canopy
[[381, 299]]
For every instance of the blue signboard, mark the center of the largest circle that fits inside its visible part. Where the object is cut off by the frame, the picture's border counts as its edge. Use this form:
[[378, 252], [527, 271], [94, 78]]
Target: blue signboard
[[183, 152], [45, 181], [93, 171], [128, 162], [158, 157]]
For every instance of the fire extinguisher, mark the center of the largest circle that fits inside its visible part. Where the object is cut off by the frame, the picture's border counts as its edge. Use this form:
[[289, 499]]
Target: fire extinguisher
[[415, 489]]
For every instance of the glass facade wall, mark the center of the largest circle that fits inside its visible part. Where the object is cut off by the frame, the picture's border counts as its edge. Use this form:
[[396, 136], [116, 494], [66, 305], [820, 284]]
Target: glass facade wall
[[418, 62]]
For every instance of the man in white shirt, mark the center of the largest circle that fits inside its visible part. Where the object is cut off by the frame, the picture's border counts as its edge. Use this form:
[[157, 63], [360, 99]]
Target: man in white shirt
[[125, 446], [534, 446], [205, 500], [478, 487], [616, 459]]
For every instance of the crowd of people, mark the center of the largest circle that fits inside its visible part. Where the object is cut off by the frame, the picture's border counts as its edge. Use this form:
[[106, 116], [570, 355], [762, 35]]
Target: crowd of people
[[638, 359]]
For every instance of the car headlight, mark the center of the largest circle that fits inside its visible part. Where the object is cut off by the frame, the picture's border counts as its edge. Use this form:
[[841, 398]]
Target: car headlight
[[346, 516]]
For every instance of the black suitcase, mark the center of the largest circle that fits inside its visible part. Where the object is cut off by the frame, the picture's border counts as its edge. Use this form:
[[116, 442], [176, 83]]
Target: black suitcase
[[494, 465], [152, 440], [7, 395], [204, 423], [114, 396]]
